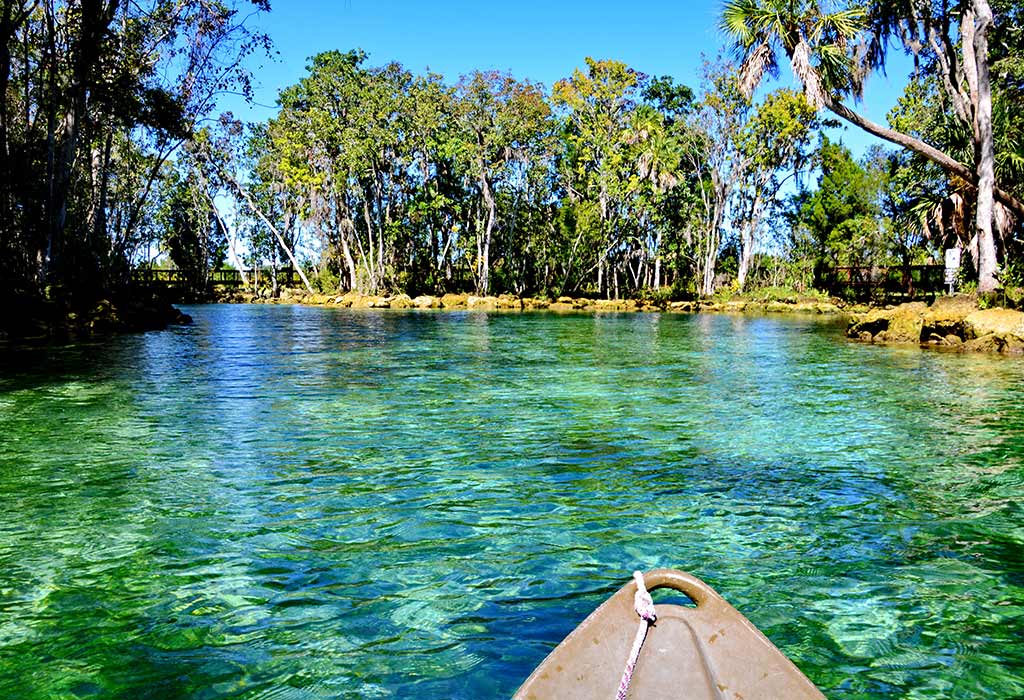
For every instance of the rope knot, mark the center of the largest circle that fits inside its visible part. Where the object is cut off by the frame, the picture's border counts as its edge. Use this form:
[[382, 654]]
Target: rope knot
[[642, 601]]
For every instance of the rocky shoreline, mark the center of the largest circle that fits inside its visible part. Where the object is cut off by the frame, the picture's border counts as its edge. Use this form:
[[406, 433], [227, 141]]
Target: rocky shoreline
[[949, 322], [34, 321], [956, 323], [510, 302]]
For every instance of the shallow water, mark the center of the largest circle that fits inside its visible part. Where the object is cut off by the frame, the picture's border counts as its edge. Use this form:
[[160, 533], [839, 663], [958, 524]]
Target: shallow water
[[290, 502]]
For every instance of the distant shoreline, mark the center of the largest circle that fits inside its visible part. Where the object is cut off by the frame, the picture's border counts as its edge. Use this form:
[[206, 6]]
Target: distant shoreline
[[953, 323], [510, 302], [957, 323]]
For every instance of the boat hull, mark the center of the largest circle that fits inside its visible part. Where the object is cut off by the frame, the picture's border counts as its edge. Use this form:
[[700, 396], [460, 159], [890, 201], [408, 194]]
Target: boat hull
[[707, 652]]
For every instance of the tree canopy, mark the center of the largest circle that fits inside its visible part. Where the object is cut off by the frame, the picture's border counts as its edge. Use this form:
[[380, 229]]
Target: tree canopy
[[375, 178]]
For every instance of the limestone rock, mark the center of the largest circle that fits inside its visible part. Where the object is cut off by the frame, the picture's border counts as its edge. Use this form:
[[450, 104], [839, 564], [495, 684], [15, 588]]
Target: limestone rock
[[349, 299], [425, 301], [509, 301], [454, 301], [482, 303], [1003, 322], [104, 317], [615, 305], [1007, 343], [369, 302], [906, 323], [532, 304], [1012, 344], [400, 301], [949, 322], [872, 323], [986, 343], [946, 315]]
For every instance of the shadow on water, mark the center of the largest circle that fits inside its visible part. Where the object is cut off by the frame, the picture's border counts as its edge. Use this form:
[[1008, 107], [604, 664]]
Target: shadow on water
[[289, 502]]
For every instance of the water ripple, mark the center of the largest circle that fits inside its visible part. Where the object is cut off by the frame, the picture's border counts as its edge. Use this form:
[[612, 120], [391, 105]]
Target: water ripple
[[283, 502]]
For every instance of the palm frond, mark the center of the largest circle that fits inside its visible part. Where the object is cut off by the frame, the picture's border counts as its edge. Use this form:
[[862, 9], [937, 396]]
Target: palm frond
[[1004, 219], [835, 68], [808, 75], [843, 26], [739, 21], [757, 63]]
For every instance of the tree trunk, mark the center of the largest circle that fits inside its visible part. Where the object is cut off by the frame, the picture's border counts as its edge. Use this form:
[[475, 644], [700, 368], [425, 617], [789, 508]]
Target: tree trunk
[[657, 261], [51, 248], [6, 36], [227, 232], [713, 237], [987, 265], [98, 241], [484, 263], [273, 229], [748, 235], [235, 261], [96, 16], [345, 229], [370, 264], [746, 253], [274, 291], [920, 147]]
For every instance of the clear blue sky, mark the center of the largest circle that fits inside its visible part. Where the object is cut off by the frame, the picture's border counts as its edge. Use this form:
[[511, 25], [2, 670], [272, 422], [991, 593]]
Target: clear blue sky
[[542, 41]]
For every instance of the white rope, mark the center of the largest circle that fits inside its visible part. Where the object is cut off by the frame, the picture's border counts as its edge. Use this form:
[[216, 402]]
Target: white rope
[[644, 606]]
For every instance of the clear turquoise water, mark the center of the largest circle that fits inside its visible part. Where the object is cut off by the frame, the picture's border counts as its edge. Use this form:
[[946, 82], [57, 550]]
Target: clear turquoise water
[[288, 502]]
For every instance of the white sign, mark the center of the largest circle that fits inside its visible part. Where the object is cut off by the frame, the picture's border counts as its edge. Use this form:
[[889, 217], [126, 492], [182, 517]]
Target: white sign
[[952, 266]]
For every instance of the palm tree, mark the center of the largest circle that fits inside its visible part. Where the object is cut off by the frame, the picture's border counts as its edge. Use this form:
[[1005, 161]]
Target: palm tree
[[831, 51]]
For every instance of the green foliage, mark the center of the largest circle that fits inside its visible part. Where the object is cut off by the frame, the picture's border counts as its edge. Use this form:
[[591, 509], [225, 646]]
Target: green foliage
[[409, 184], [943, 116], [97, 100], [191, 234], [842, 214]]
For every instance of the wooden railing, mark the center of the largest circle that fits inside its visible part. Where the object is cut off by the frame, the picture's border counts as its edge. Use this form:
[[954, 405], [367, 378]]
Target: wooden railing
[[229, 277], [886, 283]]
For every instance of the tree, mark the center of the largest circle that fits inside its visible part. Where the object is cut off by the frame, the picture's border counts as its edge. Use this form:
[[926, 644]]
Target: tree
[[96, 96], [832, 52], [598, 103], [773, 147], [192, 232], [712, 154], [842, 215], [503, 122]]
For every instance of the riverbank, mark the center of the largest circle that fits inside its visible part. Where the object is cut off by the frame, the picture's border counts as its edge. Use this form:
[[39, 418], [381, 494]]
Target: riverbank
[[33, 320], [956, 323], [510, 302]]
